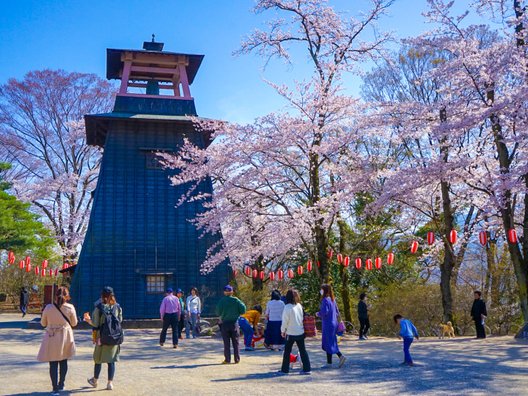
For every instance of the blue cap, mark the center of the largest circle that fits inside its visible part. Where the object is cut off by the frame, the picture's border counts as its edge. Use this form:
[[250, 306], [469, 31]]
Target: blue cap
[[228, 288], [169, 290], [179, 291]]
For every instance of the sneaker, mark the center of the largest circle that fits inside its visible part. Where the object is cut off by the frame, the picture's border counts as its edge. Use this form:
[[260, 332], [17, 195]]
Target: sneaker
[[161, 344], [175, 346], [55, 393], [109, 386], [226, 362], [362, 338], [92, 381], [342, 361], [282, 372], [249, 349], [365, 337], [237, 361], [306, 373], [326, 366]]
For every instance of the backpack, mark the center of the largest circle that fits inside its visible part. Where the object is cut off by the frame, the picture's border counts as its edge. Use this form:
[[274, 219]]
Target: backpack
[[110, 331]]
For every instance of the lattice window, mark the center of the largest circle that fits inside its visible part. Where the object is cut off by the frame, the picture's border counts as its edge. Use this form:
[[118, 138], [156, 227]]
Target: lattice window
[[156, 283]]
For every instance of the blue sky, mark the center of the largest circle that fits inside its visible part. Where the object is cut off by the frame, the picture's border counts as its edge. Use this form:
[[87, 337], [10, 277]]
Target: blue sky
[[73, 35]]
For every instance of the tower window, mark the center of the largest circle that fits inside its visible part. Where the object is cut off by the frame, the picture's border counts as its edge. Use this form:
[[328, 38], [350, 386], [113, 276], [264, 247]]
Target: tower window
[[156, 283]]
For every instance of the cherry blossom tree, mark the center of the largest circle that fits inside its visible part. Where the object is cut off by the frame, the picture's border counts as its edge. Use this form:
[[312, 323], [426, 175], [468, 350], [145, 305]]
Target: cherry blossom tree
[[42, 135], [281, 182]]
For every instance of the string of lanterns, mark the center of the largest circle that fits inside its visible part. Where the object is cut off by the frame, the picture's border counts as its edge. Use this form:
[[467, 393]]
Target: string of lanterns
[[369, 264], [42, 271]]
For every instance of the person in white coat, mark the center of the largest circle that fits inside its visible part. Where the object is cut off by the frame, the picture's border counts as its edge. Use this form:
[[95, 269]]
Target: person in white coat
[[292, 329]]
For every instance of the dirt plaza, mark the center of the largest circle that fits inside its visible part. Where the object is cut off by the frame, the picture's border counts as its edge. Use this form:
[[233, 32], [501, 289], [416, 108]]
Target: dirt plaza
[[444, 367]]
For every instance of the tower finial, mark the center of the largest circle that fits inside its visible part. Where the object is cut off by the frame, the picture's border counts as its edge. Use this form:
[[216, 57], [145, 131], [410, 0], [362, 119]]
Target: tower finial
[[153, 37]]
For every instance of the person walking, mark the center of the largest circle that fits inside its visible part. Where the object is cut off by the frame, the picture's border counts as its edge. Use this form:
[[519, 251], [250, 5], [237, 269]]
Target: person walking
[[170, 313], [292, 330], [272, 336], [363, 316], [328, 312], [58, 344], [408, 332], [107, 310], [194, 308], [181, 323], [248, 323], [24, 300], [229, 309], [479, 314]]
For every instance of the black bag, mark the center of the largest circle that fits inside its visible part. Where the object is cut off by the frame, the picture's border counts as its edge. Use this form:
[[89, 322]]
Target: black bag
[[110, 331]]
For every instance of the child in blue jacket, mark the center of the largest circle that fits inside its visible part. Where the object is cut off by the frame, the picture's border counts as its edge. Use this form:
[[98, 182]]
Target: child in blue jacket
[[407, 332]]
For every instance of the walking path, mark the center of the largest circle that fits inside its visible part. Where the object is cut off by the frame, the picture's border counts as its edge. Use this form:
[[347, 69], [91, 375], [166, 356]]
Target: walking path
[[462, 366]]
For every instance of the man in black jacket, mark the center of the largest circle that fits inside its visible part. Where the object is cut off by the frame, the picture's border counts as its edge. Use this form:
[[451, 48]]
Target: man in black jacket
[[364, 324], [479, 313], [24, 301]]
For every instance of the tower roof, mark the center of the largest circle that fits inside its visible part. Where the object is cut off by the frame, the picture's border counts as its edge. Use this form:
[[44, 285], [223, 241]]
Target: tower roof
[[114, 62]]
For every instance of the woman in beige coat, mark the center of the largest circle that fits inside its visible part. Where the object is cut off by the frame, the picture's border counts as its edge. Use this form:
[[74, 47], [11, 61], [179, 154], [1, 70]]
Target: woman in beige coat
[[58, 344]]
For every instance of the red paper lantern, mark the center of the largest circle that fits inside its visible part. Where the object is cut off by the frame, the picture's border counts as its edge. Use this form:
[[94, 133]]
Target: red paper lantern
[[262, 275], [378, 262], [291, 274], [43, 272], [247, 271], [255, 273], [28, 268], [453, 237], [50, 272], [37, 271], [235, 272], [56, 272], [28, 260], [309, 266], [300, 270], [65, 266], [368, 264], [358, 263], [272, 276], [280, 274], [414, 247], [330, 254], [339, 258], [45, 264], [390, 258], [483, 238], [346, 261], [21, 264], [430, 237], [318, 264], [512, 236], [11, 257]]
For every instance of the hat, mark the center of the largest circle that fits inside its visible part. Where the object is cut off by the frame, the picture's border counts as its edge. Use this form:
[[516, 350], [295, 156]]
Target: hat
[[169, 290], [228, 288], [108, 290], [179, 291]]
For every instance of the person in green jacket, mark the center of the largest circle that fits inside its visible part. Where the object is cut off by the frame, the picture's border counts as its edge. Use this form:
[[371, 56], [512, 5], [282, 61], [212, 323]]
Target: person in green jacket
[[104, 353], [229, 309]]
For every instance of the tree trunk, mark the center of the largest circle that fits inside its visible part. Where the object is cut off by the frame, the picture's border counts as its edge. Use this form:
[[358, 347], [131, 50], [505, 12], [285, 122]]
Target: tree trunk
[[343, 272]]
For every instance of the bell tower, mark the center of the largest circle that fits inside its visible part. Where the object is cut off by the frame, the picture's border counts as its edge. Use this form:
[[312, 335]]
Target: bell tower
[[138, 240]]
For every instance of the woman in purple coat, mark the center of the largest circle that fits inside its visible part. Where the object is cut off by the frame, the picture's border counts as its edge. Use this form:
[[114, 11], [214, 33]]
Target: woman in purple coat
[[328, 313]]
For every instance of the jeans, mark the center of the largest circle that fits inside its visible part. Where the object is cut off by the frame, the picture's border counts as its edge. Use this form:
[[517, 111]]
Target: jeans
[[299, 340], [364, 326], [247, 329], [181, 325], [23, 309], [171, 320], [192, 320], [54, 369], [230, 334], [111, 371], [407, 341], [479, 327]]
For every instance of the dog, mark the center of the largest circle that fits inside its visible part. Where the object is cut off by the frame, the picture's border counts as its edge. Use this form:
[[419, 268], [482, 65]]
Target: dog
[[447, 329]]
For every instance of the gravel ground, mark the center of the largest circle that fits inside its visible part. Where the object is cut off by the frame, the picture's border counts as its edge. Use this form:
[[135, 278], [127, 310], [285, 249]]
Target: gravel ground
[[462, 366]]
